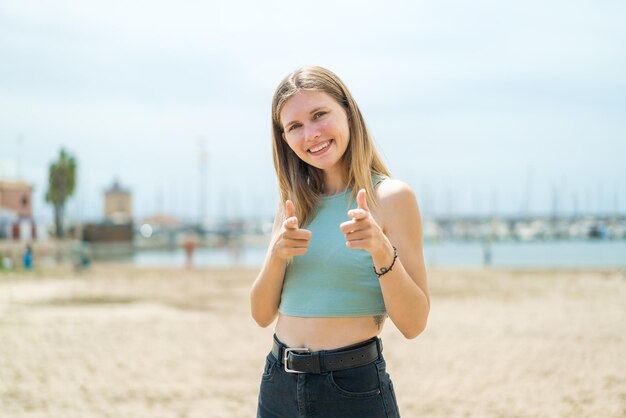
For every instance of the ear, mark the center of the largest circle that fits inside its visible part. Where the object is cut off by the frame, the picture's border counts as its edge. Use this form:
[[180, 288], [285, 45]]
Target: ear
[[283, 135]]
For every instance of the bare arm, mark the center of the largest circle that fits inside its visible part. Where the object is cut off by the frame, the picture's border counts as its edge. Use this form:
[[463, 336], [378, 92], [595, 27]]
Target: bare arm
[[404, 288], [287, 240]]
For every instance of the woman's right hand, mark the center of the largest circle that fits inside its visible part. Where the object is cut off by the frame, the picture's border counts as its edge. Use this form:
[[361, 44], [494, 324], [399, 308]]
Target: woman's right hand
[[291, 240]]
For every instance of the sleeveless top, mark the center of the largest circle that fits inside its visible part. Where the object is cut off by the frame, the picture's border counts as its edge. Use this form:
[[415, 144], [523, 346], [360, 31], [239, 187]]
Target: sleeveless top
[[332, 280]]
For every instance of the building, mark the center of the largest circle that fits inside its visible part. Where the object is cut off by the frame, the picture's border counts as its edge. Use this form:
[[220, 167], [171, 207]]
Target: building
[[16, 197], [118, 204], [113, 236]]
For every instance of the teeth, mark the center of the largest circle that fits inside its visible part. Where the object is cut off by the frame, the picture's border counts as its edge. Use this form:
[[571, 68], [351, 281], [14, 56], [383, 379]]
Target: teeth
[[321, 147]]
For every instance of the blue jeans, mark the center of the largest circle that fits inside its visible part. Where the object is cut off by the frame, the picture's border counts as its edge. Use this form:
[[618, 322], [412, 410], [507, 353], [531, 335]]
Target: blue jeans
[[360, 392]]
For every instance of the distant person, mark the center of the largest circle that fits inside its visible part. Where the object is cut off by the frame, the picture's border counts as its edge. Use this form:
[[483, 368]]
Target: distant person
[[345, 253], [28, 257], [486, 251], [83, 257], [189, 245], [7, 261], [85, 260], [235, 249]]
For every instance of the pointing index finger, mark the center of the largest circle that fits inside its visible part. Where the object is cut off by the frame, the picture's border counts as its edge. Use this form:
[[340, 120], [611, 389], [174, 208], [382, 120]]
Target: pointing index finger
[[361, 200], [291, 222]]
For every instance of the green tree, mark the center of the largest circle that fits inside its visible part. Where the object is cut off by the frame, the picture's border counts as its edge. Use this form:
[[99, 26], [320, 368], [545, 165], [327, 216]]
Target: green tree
[[61, 184]]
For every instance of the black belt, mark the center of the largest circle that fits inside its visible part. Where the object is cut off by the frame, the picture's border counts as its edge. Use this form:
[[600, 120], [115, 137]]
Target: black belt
[[301, 360]]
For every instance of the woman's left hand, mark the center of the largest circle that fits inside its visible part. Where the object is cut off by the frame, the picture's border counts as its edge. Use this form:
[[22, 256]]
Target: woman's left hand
[[362, 231]]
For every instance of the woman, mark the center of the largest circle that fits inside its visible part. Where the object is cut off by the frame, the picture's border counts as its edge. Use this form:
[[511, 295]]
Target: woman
[[345, 253]]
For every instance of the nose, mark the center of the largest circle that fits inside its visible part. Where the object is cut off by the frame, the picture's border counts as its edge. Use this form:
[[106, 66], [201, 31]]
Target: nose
[[311, 132]]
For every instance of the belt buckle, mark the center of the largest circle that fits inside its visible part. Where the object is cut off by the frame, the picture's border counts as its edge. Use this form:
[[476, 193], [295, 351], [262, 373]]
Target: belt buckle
[[286, 356]]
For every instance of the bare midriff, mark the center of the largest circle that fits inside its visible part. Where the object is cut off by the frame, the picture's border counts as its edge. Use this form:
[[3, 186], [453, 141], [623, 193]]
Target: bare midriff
[[326, 333]]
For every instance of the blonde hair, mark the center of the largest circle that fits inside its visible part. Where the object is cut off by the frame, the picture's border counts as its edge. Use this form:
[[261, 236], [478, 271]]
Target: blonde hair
[[304, 184]]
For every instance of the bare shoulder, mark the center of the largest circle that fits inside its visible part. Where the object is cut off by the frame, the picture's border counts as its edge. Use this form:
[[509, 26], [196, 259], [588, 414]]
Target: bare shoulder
[[393, 191], [397, 202]]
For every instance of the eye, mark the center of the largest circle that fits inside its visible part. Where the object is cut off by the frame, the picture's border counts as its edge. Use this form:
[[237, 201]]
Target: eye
[[318, 115], [293, 126]]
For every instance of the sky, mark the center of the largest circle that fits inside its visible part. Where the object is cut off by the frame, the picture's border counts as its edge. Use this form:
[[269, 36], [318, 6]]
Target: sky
[[483, 107]]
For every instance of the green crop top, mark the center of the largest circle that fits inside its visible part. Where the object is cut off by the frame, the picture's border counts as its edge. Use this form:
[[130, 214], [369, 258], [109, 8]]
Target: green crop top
[[332, 280]]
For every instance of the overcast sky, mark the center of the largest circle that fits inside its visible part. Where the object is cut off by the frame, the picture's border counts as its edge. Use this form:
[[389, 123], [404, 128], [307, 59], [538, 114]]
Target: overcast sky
[[481, 106]]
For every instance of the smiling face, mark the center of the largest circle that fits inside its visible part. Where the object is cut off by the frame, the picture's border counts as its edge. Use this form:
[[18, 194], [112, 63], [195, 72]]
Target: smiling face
[[316, 128]]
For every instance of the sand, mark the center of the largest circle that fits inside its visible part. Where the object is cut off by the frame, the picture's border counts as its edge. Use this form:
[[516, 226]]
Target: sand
[[119, 341]]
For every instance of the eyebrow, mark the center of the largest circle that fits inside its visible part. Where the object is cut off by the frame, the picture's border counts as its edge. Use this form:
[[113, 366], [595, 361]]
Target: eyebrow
[[310, 113]]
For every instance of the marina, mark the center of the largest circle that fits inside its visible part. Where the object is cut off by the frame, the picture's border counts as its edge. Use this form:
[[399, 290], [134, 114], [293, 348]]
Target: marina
[[537, 254]]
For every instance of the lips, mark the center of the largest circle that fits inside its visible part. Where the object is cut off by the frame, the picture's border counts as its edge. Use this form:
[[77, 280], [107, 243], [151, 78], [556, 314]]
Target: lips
[[320, 148]]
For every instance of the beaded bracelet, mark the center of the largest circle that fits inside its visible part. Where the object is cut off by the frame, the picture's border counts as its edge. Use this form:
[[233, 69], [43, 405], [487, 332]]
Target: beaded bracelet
[[385, 270]]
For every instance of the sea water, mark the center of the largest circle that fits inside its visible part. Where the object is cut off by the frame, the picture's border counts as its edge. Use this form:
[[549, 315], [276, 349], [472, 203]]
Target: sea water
[[513, 254]]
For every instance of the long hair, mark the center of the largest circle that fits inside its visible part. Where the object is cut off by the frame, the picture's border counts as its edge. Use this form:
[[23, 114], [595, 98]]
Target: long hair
[[304, 184]]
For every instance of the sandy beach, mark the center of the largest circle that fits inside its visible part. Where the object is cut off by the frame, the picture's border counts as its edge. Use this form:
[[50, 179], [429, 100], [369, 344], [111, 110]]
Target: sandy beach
[[120, 341]]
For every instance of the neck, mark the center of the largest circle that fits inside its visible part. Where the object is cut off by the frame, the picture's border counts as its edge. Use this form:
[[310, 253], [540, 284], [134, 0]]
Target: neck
[[334, 182]]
